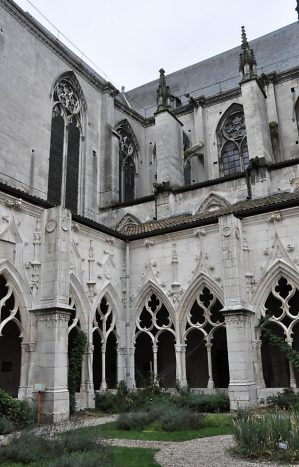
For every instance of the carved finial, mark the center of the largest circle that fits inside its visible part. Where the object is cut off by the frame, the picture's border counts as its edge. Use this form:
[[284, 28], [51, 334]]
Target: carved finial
[[297, 9], [163, 92], [245, 44], [247, 58]]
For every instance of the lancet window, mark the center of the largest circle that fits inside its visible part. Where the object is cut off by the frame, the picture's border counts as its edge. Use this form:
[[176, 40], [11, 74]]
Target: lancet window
[[105, 347], [155, 344], [128, 154], [205, 338], [282, 306], [66, 135], [232, 141]]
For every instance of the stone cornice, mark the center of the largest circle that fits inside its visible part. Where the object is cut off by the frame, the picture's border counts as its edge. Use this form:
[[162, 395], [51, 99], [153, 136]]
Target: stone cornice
[[55, 45]]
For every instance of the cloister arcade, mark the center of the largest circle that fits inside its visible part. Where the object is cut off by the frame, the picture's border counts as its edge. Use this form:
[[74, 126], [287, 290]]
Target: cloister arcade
[[187, 347]]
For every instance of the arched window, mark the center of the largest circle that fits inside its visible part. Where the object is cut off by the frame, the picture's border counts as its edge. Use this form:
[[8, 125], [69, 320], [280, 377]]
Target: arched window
[[105, 347], [206, 345], [155, 344], [282, 307], [232, 141], [66, 133], [128, 152]]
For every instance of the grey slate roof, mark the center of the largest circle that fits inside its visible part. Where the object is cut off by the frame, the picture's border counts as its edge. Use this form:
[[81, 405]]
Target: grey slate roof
[[276, 51]]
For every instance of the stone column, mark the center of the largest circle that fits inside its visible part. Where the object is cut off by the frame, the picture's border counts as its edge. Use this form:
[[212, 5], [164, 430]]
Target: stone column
[[51, 369], [87, 387], [25, 388], [52, 315], [211, 384], [103, 382], [258, 367], [155, 353], [121, 364], [242, 387], [130, 372], [180, 355], [239, 324]]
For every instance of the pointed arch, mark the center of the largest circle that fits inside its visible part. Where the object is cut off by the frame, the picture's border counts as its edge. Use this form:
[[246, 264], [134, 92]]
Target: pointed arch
[[70, 77], [213, 202], [232, 142], [150, 288], [67, 129], [81, 300], [109, 292], [107, 338], [22, 293], [201, 281], [128, 160], [280, 268]]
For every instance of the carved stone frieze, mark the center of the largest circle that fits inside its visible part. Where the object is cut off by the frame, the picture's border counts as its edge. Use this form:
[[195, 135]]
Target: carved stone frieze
[[237, 320], [275, 217], [14, 204]]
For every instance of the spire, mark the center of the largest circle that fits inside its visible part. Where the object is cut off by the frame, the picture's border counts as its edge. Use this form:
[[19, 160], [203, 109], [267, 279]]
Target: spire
[[247, 58], [163, 93], [297, 9]]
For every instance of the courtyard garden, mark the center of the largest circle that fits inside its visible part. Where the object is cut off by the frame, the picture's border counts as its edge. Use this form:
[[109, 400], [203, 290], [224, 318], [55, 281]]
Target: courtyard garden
[[147, 421]]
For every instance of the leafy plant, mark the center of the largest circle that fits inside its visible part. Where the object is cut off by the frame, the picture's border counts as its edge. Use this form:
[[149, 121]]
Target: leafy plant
[[6, 426], [18, 412], [74, 449], [263, 435], [133, 421], [212, 403], [284, 400], [76, 351]]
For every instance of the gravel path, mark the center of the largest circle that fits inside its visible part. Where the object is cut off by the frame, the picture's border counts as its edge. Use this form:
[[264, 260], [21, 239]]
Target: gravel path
[[201, 452]]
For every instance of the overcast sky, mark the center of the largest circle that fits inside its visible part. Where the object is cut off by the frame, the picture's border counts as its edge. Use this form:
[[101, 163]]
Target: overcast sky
[[131, 40]]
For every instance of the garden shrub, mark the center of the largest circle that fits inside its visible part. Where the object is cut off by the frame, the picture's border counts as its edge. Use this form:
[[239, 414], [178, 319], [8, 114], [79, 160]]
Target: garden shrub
[[29, 447], [72, 449], [165, 416], [259, 435], [284, 400], [133, 421], [18, 412], [212, 403], [143, 400], [78, 440], [6, 426], [177, 419], [77, 346]]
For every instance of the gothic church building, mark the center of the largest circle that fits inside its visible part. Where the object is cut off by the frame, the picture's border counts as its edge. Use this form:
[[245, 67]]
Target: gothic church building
[[163, 221]]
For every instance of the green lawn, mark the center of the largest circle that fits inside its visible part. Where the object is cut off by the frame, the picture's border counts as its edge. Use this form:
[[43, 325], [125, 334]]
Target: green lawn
[[133, 457], [213, 425]]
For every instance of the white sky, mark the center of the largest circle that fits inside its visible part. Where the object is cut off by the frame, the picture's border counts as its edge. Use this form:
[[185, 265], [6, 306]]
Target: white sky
[[131, 40]]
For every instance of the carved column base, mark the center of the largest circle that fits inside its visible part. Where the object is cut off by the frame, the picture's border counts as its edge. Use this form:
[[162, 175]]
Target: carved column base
[[51, 367], [54, 405], [242, 395]]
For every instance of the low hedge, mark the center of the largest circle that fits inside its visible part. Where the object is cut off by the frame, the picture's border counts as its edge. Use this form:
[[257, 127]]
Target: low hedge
[[18, 412]]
